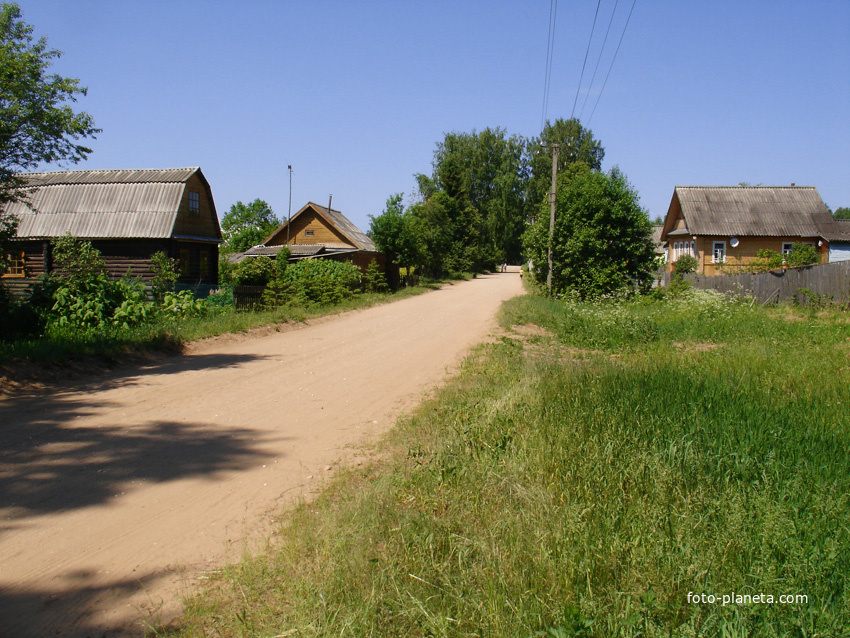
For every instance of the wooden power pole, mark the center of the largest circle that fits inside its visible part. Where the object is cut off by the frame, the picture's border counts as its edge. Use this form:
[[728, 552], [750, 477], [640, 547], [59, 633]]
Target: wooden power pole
[[552, 193]]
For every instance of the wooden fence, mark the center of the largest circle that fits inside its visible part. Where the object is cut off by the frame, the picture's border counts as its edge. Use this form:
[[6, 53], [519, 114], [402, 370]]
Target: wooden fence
[[827, 281]]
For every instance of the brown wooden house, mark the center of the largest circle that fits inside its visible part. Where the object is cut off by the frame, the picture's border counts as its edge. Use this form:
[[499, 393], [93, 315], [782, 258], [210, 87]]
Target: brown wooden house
[[724, 227], [128, 215], [319, 232]]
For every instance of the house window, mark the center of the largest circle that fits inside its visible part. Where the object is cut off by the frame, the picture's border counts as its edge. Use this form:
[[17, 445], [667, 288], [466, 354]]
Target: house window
[[718, 252], [184, 263], [204, 263], [309, 232], [787, 247], [194, 203], [17, 264], [693, 249]]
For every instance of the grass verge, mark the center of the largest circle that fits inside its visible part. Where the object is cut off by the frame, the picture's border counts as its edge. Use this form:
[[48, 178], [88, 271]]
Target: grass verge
[[587, 475], [117, 345]]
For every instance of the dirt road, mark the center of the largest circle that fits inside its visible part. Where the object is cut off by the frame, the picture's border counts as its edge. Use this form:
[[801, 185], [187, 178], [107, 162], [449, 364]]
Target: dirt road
[[118, 492]]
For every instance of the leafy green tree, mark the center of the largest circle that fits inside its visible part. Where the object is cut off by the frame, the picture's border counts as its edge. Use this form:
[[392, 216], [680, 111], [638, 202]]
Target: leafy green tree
[[602, 240], [842, 212], [37, 123], [486, 172], [246, 225], [395, 233], [576, 143]]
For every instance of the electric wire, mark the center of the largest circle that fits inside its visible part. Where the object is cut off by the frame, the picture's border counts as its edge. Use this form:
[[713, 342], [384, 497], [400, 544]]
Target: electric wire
[[584, 64], [604, 84], [550, 48], [598, 60]]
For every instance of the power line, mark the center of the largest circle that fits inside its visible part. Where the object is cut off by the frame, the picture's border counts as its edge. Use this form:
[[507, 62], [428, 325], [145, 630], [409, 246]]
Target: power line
[[550, 48], [584, 64], [604, 84], [599, 59]]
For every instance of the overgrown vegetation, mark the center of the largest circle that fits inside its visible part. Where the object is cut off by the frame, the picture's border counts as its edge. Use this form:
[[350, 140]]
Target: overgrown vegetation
[[582, 477], [800, 255], [79, 311]]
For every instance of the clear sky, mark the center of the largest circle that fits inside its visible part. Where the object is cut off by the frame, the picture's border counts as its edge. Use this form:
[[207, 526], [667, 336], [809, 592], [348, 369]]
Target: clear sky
[[354, 94]]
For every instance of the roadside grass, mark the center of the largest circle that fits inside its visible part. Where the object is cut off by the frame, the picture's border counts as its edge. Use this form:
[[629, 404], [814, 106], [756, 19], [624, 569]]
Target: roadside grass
[[582, 479], [169, 336]]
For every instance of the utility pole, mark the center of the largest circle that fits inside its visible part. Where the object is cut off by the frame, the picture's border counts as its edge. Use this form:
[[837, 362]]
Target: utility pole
[[555, 149], [289, 217]]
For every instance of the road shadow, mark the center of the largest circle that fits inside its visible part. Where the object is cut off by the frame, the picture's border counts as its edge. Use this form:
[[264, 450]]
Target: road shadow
[[72, 611], [49, 463], [57, 469]]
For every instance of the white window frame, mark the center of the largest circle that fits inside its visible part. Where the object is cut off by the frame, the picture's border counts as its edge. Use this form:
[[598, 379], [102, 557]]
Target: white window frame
[[787, 247], [714, 246]]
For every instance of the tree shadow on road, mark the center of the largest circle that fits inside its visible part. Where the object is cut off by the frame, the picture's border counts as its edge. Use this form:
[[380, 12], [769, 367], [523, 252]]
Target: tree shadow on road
[[48, 463], [71, 611]]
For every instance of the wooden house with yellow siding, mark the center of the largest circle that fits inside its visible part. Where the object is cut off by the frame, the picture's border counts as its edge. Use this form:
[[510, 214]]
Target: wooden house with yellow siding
[[128, 215], [319, 232], [724, 227]]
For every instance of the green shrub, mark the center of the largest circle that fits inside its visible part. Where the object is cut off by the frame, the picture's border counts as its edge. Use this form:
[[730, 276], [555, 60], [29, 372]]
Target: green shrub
[[685, 265], [165, 274], [374, 280], [253, 271], [319, 281]]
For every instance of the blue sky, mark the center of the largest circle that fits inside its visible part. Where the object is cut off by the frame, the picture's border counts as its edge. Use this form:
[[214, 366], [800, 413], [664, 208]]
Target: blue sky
[[355, 94]]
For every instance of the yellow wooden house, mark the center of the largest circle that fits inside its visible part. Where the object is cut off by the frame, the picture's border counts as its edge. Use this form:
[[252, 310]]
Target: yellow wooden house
[[724, 227]]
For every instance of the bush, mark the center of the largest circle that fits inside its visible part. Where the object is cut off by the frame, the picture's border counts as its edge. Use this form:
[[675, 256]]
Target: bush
[[318, 281], [253, 271], [374, 280], [165, 274], [685, 265]]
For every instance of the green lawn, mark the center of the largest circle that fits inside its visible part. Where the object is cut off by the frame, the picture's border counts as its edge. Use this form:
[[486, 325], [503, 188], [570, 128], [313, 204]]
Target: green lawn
[[588, 474]]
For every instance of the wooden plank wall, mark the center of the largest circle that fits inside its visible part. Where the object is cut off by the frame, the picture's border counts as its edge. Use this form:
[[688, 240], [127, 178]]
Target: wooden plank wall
[[832, 280]]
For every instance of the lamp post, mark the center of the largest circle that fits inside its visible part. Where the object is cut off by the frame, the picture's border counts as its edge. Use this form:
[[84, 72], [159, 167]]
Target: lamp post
[[289, 216]]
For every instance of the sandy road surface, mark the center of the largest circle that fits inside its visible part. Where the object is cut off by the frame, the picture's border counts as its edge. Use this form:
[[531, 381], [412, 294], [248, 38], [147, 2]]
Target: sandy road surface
[[117, 492]]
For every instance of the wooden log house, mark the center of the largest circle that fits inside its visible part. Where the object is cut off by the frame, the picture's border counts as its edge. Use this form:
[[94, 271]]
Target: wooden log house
[[319, 232], [128, 215], [724, 227]]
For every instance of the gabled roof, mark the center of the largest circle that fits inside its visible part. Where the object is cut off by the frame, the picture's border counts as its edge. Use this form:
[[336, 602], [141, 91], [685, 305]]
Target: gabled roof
[[775, 211], [335, 220], [102, 203]]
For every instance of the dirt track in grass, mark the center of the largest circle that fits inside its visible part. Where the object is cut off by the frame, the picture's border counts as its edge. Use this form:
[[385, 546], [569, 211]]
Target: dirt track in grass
[[119, 491]]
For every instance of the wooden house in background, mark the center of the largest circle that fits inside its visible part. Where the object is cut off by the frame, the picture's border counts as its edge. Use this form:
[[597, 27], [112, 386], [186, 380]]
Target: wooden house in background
[[725, 226], [128, 215], [319, 232]]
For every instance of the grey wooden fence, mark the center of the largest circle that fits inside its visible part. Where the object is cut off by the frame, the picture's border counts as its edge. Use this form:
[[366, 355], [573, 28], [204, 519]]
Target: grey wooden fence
[[824, 280]]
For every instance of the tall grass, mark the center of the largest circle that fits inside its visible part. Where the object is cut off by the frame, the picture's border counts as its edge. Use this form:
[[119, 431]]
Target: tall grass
[[583, 484]]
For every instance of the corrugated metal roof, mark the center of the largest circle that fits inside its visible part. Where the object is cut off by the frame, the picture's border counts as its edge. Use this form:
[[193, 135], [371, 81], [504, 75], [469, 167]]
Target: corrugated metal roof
[[774, 211], [101, 204], [120, 176]]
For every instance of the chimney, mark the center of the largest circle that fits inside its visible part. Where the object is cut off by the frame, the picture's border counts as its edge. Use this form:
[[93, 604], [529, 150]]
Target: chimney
[[793, 184]]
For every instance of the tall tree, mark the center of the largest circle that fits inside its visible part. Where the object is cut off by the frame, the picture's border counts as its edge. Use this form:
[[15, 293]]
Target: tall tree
[[37, 123], [602, 241], [487, 172], [842, 212], [247, 225], [577, 144]]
